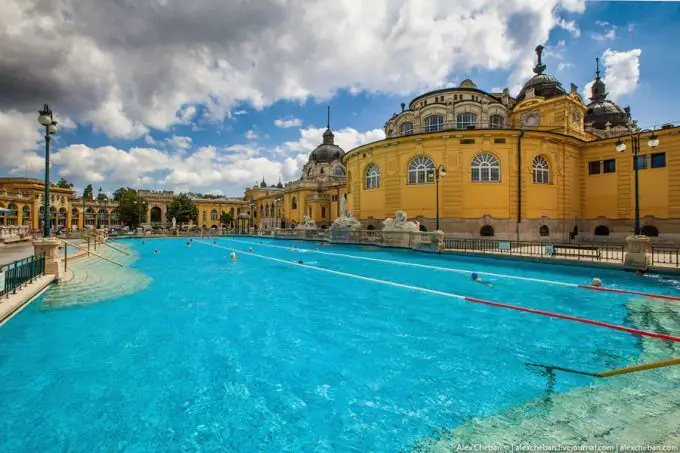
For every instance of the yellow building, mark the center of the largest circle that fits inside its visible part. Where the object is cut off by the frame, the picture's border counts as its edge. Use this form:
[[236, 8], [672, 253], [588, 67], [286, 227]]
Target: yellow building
[[542, 165], [316, 195]]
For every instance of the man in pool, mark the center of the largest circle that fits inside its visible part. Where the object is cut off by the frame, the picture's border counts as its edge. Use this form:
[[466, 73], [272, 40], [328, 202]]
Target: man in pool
[[475, 278], [597, 283], [233, 256]]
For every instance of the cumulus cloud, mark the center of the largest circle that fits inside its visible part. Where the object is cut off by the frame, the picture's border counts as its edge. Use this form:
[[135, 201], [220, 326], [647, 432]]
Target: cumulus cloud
[[288, 122], [126, 68], [251, 135], [226, 169], [607, 31], [621, 72]]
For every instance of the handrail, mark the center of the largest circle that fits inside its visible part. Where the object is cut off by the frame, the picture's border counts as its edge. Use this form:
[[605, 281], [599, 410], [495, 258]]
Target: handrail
[[114, 248], [614, 372], [93, 253]]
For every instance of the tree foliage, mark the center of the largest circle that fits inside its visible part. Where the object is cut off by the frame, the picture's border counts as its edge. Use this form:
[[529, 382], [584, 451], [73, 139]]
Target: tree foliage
[[132, 208], [226, 218], [182, 208], [64, 184], [88, 193], [101, 195]]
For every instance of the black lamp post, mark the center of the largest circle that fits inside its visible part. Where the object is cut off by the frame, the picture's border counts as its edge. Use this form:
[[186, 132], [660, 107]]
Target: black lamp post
[[652, 142], [45, 119], [439, 171], [252, 205], [83, 213]]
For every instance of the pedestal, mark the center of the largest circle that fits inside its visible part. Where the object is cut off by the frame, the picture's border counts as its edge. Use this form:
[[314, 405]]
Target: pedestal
[[635, 255], [50, 247]]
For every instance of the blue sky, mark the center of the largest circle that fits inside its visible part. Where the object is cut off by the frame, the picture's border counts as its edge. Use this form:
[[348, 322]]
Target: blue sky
[[225, 133]]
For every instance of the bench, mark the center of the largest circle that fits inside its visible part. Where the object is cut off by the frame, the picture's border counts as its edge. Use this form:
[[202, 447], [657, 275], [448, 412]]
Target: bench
[[581, 250]]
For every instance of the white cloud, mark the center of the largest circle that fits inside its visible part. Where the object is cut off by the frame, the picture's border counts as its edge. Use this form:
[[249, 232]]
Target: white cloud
[[239, 112], [571, 26], [563, 66], [621, 72], [608, 32], [226, 169], [288, 122], [129, 67], [252, 136]]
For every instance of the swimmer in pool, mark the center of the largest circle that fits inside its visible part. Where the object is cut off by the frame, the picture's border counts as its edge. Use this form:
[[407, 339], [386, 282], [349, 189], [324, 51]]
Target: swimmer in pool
[[475, 278], [597, 283], [156, 252], [233, 256], [640, 273], [250, 249], [188, 244]]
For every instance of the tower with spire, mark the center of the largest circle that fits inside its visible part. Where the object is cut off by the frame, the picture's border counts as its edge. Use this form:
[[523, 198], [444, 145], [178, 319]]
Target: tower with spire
[[604, 118]]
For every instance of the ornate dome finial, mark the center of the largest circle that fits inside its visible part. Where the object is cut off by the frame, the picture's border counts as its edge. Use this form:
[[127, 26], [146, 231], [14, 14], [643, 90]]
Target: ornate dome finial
[[598, 90], [328, 137], [540, 67]]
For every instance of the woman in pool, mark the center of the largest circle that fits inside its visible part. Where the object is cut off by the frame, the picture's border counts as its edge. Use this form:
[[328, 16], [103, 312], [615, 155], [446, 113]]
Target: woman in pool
[[233, 256]]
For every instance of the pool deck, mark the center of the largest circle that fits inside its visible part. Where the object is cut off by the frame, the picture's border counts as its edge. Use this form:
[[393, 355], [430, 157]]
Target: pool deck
[[14, 303]]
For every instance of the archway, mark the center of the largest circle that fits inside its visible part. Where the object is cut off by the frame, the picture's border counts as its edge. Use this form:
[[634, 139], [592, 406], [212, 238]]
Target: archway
[[601, 230], [370, 227], [544, 231], [486, 231], [156, 214], [423, 228], [650, 230]]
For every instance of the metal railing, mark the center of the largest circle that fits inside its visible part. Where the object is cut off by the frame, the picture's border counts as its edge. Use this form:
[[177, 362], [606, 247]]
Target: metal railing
[[580, 252], [665, 256], [21, 272]]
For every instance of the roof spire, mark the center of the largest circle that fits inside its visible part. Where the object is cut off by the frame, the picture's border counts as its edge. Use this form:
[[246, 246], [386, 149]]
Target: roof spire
[[328, 119], [328, 135], [598, 91], [540, 67]]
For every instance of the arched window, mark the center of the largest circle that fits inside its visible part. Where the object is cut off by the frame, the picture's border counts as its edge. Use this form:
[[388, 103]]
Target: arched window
[[466, 120], [541, 170], [421, 170], [213, 214], [486, 231], [26, 212], [601, 230], [370, 228], [266, 210], [261, 211], [293, 203], [309, 172], [74, 212], [406, 128], [339, 171], [650, 230], [434, 123], [496, 121], [544, 231], [486, 168], [372, 177]]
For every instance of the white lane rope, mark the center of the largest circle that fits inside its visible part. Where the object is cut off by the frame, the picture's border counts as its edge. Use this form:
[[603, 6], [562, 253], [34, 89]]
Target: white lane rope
[[403, 263]]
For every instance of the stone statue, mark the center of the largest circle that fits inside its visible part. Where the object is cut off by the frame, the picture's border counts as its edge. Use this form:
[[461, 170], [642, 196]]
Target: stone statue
[[308, 224], [174, 222], [343, 205], [400, 223], [346, 221]]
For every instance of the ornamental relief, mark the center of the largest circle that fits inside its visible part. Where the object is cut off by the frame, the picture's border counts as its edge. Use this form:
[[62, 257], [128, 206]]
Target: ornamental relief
[[531, 118]]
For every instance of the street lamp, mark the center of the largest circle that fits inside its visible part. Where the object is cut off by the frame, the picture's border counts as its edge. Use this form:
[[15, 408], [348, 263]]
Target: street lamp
[[252, 204], [439, 171], [45, 119], [652, 142]]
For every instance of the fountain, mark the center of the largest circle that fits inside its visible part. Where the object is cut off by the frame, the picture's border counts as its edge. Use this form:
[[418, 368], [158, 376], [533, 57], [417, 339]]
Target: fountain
[[400, 223], [307, 224]]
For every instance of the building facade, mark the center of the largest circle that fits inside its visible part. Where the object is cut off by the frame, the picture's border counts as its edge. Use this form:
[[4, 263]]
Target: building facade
[[541, 165]]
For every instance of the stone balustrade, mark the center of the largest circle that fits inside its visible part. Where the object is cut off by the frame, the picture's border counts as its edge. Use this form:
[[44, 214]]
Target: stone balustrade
[[13, 233], [423, 241]]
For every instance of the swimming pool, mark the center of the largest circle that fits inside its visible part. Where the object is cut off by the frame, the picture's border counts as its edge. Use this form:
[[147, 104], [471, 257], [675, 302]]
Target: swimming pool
[[354, 350]]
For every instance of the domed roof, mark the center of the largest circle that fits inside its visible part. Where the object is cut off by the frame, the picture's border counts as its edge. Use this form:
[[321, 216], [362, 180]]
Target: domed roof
[[544, 85], [327, 151], [601, 110], [467, 83]]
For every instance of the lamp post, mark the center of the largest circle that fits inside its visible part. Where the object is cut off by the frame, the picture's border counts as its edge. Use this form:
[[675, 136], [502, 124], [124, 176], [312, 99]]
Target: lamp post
[[83, 213], [652, 142], [252, 205], [47, 121], [439, 171]]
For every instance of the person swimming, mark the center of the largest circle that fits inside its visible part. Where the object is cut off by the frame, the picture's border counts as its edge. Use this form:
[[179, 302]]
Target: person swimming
[[188, 244], [597, 283], [475, 278], [156, 252], [250, 249], [233, 256]]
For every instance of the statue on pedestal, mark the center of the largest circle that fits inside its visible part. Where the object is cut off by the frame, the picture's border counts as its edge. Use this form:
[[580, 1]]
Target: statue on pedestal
[[174, 223], [343, 205]]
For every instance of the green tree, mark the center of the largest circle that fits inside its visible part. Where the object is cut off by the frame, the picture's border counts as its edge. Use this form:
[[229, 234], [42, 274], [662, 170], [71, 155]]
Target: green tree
[[64, 184], [182, 208], [132, 208], [88, 193], [101, 195], [226, 218]]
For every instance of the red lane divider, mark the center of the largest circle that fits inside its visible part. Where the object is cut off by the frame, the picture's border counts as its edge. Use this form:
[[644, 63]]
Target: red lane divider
[[643, 333], [627, 291]]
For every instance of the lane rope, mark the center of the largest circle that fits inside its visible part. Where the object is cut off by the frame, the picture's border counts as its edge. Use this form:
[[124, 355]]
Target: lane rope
[[639, 332], [464, 271]]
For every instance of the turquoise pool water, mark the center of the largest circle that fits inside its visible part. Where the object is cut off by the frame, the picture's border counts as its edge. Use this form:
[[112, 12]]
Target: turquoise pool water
[[261, 354]]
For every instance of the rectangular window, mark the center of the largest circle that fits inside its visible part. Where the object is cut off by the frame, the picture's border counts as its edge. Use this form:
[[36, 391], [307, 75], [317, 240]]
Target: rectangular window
[[658, 160], [323, 213], [594, 168], [609, 166], [499, 140], [467, 141], [640, 162]]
